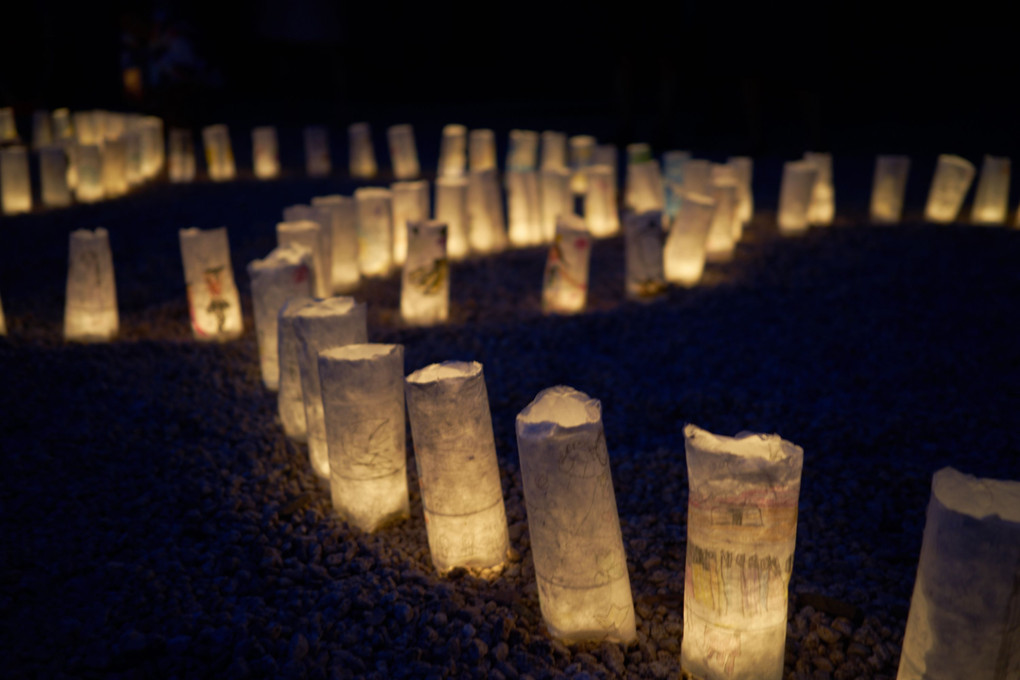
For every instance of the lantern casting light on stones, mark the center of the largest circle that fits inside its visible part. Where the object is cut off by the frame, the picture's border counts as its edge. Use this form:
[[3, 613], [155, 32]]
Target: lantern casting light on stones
[[453, 151], [888, 188], [90, 313], [403, 152], [214, 305], [219, 156], [795, 194], [684, 252], [452, 210], [425, 284], [565, 284], [953, 176], [375, 230], [991, 202], [290, 401], [317, 159], [361, 163], [15, 184], [265, 152]]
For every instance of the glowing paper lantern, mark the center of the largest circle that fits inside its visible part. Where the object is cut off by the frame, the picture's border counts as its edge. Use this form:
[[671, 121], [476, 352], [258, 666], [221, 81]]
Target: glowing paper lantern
[[282, 275], [133, 170], [522, 151], [580, 564], [600, 212], [481, 150], [15, 184], [307, 234], [605, 154], [344, 239], [822, 209], [317, 160], [90, 313], [795, 194], [963, 613], [153, 149], [451, 209], [88, 163], [453, 151], [644, 186], [720, 241], [410, 204], [87, 127], [265, 152], [363, 400], [581, 149], [565, 284], [425, 284], [42, 129], [684, 253], [554, 150], [53, 177], [182, 156], [485, 212], [361, 154], [555, 200], [115, 168], [403, 153], [323, 252], [458, 472], [375, 230], [697, 176], [8, 126], [213, 302], [644, 276], [991, 202], [949, 186], [741, 531], [673, 163], [219, 157], [523, 208], [890, 184], [323, 324], [290, 400], [743, 166]]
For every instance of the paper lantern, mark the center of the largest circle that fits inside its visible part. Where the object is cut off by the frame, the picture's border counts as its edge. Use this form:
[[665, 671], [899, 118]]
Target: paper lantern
[[720, 241], [15, 184], [581, 149], [743, 166], [451, 209], [8, 126], [991, 202], [966, 602], [644, 277], [600, 211], [580, 565], [133, 162], [522, 151], [644, 186], [673, 163], [485, 212], [949, 186], [638, 152], [425, 283], [555, 199], [307, 234], [53, 177], [523, 208], [565, 284], [3, 321], [282, 275], [795, 194], [697, 176], [153, 149], [741, 531], [481, 150], [87, 127], [219, 157], [822, 209], [888, 188], [42, 129], [265, 152], [290, 400], [90, 312], [344, 239], [453, 151], [375, 230], [62, 128], [213, 302], [115, 168], [458, 472], [317, 159], [323, 252], [88, 163], [554, 150], [361, 162], [182, 156], [363, 401], [403, 153], [684, 253]]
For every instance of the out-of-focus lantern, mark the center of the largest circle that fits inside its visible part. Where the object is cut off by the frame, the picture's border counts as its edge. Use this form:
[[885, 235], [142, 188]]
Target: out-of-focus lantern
[[265, 152], [115, 168], [725, 225], [90, 313], [53, 177], [581, 149], [42, 129], [458, 472], [741, 531], [88, 163], [403, 152], [554, 150], [795, 194], [86, 128], [555, 198], [485, 212], [949, 186], [15, 183], [888, 188], [363, 401], [290, 401], [317, 159], [565, 284], [600, 211], [307, 234], [344, 239], [673, 163], [453, 151], [323, 252], [481, 150], [219, 157], [522, 151], [697, 176], [451, 210], [375, 230], [133, 171], [644, 186], [3, 321], [580, 564], [523, 208], [281, 276], [638, 152], [62, 128], [743, 166], [8, 126], [644, 277], [153, 149], [605, 154], [684, 253], [362, 163], [964, 610], [326, 323], [823, 205], [425, 283], [213, 302], [991, 202], [182, 156]]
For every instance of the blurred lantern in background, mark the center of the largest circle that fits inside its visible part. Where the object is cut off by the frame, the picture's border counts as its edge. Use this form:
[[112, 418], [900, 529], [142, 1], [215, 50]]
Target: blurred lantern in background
[[600, 212], [343, 221], [425, 283], [684, 252], [555, 198], [89, 170], [291, 400], [453, 151], [90, 311], [115, 182], [182, 156], [888, 188], [523, 208], [42, 129], [581, 149], [485, 212], [725, 226], [743, 168], [795, 195], [644, 277], [53, 177], [214, 305], [991, 202], [8, 126], [219, 157], [673, 163], [317, 158], [522, 151], [565, 284], [307, 234], [403, 152], [451, 210], [361, 163], [375, 230], [15, 182], [265, 152], [823, 203], [323, 252], [481, 150], [554, 150], [953, 176], [410, 204]]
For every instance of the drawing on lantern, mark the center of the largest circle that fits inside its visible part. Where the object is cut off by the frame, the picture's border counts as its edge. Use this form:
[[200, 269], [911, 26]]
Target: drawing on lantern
[[425, 285], [565, 289], [213, 301]]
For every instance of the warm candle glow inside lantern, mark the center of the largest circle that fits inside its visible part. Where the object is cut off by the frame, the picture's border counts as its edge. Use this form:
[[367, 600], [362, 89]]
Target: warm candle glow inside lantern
[[565, 284], [361, 163], [458, 471], [307, 234], [673, 163], [86, 128], [182, 156], [8, 125], [741, 531], [697, 176], [219, 157], [403, 152], [115, 168], [795, 194], [88, 163], [317, 159], [555, 198], [290, 400], [451, 209], [90, 313], [425, 284], [343, 238], [323, 252], [15, 184], [743, 167], [523, 208], [949, 186], [282, 275], [644, 276], [966, 602], [600, 212], [319, 326], [554, 150], [265, 152], [153, 148], [213, 302], [581, 149], [410, 204], [375, 230], [62, 128], [644, 186], [53, 177], [580, 564], [991, 202], [522, 151], [888, 188], [684, 252], [481, 150], [133, 158], [453, 151], [363, 401], [725, 225], [485, 212], [822, 209]]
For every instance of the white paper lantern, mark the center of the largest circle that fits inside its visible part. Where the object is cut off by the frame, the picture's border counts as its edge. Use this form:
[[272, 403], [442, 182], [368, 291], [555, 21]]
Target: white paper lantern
[[265, 152], [522, 151], [601, 214], [580, 564], [458, 472], [403, 152], [644, 276], [991, 202], [720, 242], [644, 186], [486, 219], [453, 151], [555, 198], [42, 129], [213, 302], [605, 154], [565, 284], [90, 312], [182, 156], [361, 163], [219, 156], [425, 283], [581, 149], [282, 275], [964, 610], [307, 234], [324, 250], [481, 150], [8, 126], [741, 532], [523, 208], [451, 209], [317, 158], [743, 166], [795, 195], [133, 161], [344, 238], [115, 182], [410, 204], [554, 150], [153, 149], [53, 177], [888, 188], [363, 401], [697, 176], [949, 186], [823, 205], [88, 164], [375, 230], [87, 127], [673, 163], [15, 183], [62, 128], [684, 253], [290, 401]]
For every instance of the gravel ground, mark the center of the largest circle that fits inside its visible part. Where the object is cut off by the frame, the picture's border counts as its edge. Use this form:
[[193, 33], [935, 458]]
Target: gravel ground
[[158, 523]]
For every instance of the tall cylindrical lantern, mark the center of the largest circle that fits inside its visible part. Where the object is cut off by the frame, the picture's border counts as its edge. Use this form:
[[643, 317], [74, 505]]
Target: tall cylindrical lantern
[[265, 152], [451, 209], [888, 188], [523, 208], [554, 150], [605, 154], [323, 252], [307, 234], [363, 402], [565, 284], [15, 183], [133, 171], [644, 276], [375, 230], [453, 151], [53, 177], [823, 205], [115, 168], [485, 212], [964, 613], [673, 163], [953, 176], [581, 149], [86, 128], [697, 176], [601, 214], [88, 164], [324, 324], [522, 151], [741, 531], [42, 129], [317, 159], [403, 152], [282, 275], [290, 401], [361, 163], [181, 166], [8, 126], [684, 253], [725, 225], [644, 186], [743, 166], [425, 283], [580, 564], [62, 128], [481, 150], [344, 239], [795, 194], [153, 148], [555, 198], [219, 156], [213, 302], [90, 313], [458, 472], [991, 202]]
